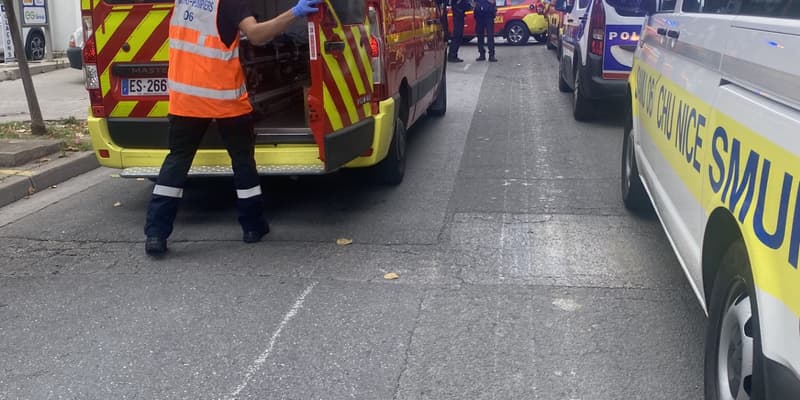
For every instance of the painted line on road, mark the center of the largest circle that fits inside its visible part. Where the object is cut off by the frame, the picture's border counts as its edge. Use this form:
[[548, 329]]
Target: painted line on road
[[298, 304], [466, 67]]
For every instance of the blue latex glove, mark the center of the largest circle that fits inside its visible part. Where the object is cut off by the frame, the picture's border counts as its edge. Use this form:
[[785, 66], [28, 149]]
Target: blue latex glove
[[305, 7]]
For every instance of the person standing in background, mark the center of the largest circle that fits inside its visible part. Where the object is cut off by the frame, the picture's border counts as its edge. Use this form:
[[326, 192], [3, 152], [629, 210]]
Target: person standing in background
[[459, 8], [485, 12]]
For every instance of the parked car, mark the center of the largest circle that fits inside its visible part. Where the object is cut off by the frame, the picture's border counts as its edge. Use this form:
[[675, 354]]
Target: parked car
[[711, 143], [554, 14], [597, 48], [75, 49], [517, 21], [34, 44]]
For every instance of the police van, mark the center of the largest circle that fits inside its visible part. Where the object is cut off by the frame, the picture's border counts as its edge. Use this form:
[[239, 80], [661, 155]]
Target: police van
[[712, 143], [336, 91], [596, 51]]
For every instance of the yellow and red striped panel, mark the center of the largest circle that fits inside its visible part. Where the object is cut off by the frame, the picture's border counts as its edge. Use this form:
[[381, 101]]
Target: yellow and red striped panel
[[145, 30]]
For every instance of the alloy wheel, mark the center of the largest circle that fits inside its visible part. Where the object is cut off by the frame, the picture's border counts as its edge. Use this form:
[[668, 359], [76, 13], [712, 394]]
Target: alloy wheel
[[736, 346]]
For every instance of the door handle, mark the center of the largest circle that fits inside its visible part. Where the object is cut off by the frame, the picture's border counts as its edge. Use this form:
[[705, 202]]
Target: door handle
[[334, 47], [582, 18], [673, 34], [661, 31]]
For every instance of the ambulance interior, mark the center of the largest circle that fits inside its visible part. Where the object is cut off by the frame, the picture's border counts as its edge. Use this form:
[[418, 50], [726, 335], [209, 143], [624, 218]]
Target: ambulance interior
[[278, 73]]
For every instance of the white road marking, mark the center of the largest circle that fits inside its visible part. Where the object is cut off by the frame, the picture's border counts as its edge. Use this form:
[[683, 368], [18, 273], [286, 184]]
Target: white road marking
[[466, 67], [298, 304]]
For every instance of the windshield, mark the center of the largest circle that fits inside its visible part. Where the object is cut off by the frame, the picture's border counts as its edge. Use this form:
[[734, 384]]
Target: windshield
[[628, 8]]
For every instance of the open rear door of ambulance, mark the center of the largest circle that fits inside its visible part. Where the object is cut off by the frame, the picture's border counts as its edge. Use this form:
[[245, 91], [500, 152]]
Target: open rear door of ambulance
[[340, 98]]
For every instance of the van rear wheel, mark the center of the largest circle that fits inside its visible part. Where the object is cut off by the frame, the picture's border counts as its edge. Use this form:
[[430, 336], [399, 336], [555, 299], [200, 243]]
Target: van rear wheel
[[392, 169], [581, 106], [733, 357]]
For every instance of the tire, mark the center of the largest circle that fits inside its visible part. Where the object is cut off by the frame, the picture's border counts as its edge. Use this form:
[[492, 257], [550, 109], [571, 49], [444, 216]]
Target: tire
[[439, 106], [541, 38], [392, 169], [35, 46], [733, 333], [563, 86], [581, 106], [633, 194], [549, 43], [517, 33]]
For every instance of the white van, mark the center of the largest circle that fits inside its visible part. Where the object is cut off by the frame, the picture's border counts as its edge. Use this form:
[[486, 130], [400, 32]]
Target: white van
[[712, 143], [597, 48]]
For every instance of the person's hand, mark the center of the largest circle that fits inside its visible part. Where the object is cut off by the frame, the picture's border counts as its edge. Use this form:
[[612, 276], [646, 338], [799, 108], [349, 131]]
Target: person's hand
[[305, 7]]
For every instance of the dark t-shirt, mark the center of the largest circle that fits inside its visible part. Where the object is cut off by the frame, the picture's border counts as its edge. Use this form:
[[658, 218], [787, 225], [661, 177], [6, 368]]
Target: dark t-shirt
[[231, 13]]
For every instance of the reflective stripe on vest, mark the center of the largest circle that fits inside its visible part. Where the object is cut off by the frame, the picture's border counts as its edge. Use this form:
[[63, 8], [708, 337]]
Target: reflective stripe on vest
[[206, 78]]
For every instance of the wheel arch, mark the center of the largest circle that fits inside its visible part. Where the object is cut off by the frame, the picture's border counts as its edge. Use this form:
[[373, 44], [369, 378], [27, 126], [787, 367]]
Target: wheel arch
[[721, 231]]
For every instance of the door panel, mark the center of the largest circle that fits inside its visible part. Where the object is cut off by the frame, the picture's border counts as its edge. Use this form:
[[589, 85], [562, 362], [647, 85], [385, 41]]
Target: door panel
[[341, 71]]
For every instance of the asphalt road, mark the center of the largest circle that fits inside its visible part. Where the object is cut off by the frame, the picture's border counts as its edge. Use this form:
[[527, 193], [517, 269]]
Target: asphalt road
[[521, 275]]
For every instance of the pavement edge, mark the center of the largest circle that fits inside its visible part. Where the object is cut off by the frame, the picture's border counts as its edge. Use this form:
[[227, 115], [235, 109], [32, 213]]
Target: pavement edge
[[18, 187]]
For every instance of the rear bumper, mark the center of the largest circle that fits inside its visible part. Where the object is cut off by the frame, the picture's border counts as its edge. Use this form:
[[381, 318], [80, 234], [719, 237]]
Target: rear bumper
[[139, 147], [595, 87]]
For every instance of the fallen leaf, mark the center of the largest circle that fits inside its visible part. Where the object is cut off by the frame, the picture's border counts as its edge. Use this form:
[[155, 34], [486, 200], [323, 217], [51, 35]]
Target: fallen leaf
[[31, 190], [115, 175], [391, 276], [344, 242], [117, 204], [43, 160], [53, 187]]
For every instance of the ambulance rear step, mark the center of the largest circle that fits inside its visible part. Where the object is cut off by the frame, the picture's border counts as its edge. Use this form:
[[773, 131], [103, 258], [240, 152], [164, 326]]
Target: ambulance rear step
[[226, 170]]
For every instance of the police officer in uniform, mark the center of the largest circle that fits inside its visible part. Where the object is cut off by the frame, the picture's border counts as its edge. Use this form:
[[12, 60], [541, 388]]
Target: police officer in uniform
[[485, 12], [206, 83], [459, 8]]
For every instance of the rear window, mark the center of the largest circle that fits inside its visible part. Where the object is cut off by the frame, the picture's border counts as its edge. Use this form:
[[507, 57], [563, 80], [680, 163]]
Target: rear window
[[628, 8], [350, 12]]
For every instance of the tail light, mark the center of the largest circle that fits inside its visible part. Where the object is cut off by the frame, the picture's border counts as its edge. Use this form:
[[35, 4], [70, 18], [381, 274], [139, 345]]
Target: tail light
[[597, 28], [376, 50], [93, 77]]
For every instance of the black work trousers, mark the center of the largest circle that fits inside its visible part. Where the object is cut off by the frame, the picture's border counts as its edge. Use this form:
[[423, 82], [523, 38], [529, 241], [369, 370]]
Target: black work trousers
[[484, 26], [185, 135], [458, 35]]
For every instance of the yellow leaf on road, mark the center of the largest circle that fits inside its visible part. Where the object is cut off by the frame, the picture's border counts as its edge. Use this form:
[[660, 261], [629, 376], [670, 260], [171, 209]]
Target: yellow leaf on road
[[344, 242], [391, 276]]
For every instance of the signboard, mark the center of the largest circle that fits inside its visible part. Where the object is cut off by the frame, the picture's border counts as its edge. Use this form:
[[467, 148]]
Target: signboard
[[620, 43], [34, 12], [5, 34]]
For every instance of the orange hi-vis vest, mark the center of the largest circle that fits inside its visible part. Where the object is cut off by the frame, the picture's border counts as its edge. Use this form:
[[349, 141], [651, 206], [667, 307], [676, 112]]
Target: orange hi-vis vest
[[206, 79]]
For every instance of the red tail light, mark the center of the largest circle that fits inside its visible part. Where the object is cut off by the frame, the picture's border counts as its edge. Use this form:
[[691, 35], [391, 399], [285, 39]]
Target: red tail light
[[374, 47], [92, 76], [597, 28]]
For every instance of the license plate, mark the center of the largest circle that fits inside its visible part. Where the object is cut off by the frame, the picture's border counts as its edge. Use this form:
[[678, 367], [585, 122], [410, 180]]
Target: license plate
[[144, 87]]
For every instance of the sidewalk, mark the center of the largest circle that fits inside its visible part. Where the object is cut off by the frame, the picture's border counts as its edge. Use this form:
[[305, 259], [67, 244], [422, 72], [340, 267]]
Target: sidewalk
[[44, 170], [30, 166], [10, 71]]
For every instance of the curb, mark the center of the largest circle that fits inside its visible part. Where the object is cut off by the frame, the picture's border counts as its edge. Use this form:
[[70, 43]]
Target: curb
[[18, 187], [11, 74]]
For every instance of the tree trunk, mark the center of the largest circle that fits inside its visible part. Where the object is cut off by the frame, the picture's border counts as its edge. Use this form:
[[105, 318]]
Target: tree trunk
[[37, 122]]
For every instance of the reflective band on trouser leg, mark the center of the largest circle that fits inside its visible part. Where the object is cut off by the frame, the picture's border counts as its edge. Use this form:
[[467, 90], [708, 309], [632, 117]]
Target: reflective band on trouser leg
[[248, 193], [168, 191]]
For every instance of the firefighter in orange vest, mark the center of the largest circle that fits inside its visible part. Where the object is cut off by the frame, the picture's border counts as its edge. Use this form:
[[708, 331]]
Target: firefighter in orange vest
[[207, 83]]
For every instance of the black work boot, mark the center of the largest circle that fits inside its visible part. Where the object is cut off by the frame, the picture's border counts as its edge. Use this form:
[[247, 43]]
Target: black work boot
[[254, 236], [492, 59], [155, 246], [481, 58]]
